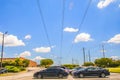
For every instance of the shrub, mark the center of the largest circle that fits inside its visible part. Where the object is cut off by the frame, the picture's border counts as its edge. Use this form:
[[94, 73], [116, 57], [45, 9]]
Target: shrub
[[70, 66], [22, 68], [12, 69], [88, 64]]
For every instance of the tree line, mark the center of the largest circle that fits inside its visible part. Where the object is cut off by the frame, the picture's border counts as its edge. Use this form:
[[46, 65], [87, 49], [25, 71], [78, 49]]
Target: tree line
[[101, 62]]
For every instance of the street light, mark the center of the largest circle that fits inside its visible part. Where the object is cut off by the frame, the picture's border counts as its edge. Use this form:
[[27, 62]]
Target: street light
[[2, 49]]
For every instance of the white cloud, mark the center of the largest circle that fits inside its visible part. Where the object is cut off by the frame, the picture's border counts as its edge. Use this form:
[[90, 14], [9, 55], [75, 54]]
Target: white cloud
[[11, 40], [71, 5], [43, 49], [104, 3], [119, 5], [115, 39], [25, 54], [28, 37], [115, 57], [38, 58], [68, 29], [53, 46], [82, 37]]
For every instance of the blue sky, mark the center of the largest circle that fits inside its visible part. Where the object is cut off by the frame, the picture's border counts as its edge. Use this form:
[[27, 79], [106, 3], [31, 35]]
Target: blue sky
[[28, 37]]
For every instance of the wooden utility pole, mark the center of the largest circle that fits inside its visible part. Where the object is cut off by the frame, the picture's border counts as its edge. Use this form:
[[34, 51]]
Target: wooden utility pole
[[2, 49]]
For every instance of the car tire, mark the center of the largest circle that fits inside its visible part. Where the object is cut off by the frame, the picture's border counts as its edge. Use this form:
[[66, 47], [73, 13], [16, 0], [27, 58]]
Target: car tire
[[60, 76], [81, 75], [39, 76], [102, 75]]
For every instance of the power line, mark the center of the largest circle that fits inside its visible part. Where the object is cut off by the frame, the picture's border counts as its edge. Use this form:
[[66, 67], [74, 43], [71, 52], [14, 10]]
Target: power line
[[43, 21], [62, 24], [84, 16], [82, 21]]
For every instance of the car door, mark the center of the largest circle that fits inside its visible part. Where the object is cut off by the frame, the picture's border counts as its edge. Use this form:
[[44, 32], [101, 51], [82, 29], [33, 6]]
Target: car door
[[92, 71], [50, 73]]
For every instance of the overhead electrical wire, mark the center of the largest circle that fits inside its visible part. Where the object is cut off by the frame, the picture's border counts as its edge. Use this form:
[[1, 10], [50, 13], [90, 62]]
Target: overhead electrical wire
[[43, 21], [62, 26], [81, 23], [44, 25]]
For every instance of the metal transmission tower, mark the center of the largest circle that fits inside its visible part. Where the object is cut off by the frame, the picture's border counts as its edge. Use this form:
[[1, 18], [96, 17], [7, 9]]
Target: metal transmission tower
[[89, 55], [103, 51], [84, 54], [72, 61]]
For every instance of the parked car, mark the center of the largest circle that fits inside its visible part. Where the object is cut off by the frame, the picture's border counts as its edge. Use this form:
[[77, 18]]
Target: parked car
[[51, 72], [3, 70], [63, 67], [75, 69], [91, 71]]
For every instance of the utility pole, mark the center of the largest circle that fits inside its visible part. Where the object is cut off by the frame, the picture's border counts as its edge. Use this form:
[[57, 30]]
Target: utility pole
[[103, 50], [84, 54], [2, 49], [60, 58], [72, 61], [89, 55]]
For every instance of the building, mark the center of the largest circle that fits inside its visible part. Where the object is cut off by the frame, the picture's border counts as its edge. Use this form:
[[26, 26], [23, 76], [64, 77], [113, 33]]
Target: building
[[31, 63]]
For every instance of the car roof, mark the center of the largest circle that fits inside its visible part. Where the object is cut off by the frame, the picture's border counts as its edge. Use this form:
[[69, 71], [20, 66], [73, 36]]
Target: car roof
[[58, 67]]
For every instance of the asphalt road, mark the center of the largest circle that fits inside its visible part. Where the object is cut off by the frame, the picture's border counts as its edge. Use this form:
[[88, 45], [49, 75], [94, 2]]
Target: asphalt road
[[29, 76], [112, 77]]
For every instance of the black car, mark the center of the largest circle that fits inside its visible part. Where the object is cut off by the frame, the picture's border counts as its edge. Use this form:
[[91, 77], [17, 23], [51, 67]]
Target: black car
[[91, 71], [51, 72], [62, 67], [3, 70], [75, 69]]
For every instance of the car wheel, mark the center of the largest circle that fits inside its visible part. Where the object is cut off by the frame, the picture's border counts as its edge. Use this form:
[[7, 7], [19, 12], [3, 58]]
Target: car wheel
[[39, 76], [2, 72], [81, 75], [102, 75], [60, 76]]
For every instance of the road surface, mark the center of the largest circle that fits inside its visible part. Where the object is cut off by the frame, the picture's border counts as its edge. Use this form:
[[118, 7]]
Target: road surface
[[29, 76]]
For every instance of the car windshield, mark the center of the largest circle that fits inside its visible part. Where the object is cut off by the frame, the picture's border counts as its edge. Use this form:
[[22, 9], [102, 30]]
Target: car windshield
[[81, 69]]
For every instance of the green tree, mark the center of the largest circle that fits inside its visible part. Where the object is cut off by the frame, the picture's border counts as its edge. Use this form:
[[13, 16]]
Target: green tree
[[8, 63], [18, 62], [25, 62], [46, 62], [118, 61], [103, 62]]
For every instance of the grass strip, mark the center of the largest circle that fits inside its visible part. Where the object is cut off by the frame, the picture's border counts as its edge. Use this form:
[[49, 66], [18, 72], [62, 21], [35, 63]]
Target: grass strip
[[114, 70]]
